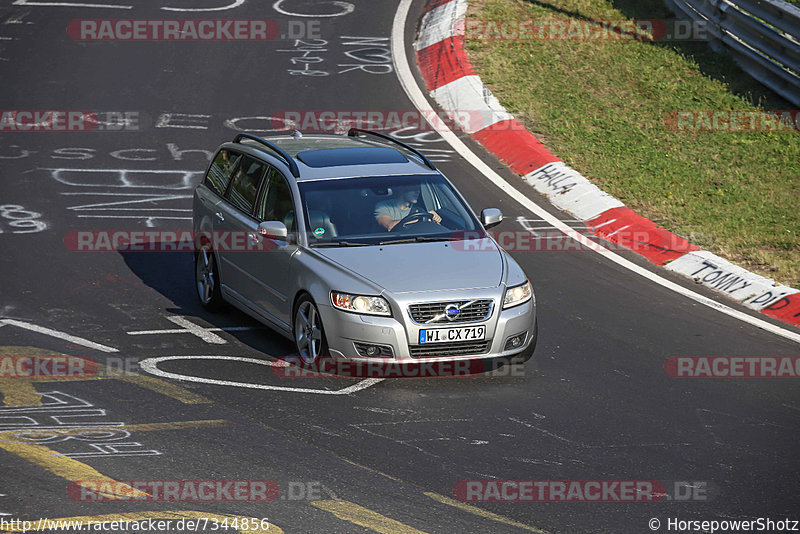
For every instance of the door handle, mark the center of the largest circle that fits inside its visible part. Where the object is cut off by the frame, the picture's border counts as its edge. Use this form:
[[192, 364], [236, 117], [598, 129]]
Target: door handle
[[220, 216], [254, 238]]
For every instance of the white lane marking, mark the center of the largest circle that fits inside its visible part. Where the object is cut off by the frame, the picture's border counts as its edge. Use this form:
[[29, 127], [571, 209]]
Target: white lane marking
[[197, 330], [184, 331], [346, 9], [150, 365], [133, 217], [416, 96], [234, 5], [536, 461], [149, 220], [132, 209], [66, 4], [60, 335]]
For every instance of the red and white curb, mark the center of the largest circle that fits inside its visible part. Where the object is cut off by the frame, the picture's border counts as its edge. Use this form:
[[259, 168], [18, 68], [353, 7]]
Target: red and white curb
[[452, 83]]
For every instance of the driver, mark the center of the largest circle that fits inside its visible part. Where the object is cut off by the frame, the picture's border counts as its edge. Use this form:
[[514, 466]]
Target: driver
[[389, 212]]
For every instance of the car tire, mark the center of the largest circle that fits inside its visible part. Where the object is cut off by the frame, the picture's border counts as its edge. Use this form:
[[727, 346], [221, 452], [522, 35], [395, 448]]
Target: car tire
[[527, 354], [309, 333], [207, 282]]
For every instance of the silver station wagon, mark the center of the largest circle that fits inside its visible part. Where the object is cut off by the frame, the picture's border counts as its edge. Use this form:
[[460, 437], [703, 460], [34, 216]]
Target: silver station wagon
[[356, 247]]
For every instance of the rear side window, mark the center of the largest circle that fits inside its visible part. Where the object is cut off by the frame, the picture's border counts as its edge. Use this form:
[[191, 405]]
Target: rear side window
[[244, 186], [220, 172]]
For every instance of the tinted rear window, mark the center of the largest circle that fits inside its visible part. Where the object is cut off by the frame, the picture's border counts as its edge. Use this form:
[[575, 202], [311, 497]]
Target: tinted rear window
[[245, 184], [220, 172]]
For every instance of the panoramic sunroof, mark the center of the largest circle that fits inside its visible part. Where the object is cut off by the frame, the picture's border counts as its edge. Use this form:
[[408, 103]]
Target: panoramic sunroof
[[337, 157]]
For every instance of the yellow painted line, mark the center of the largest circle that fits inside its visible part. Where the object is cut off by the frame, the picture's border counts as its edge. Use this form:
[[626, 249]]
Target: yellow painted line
[[165, 388], [78, 472], [144, 427], [21, 350], [180, 425], [18, 392], [148, 382], [364, 517], [482, 513], [159, 515], [63, 466]]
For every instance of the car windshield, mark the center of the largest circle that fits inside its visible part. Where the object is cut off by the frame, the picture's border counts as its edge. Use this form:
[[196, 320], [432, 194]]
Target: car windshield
[[385, 210]]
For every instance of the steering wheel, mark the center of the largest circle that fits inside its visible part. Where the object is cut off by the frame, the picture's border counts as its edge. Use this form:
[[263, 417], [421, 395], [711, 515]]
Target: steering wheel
[[415, 217]]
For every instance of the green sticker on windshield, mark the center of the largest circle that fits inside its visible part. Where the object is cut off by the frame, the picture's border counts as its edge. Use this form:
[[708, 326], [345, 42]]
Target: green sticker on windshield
[[319, 232]]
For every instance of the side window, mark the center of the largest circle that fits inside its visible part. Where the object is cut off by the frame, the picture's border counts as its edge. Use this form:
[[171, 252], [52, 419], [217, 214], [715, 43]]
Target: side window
[[244, 186], [276, 204], [219, 174]]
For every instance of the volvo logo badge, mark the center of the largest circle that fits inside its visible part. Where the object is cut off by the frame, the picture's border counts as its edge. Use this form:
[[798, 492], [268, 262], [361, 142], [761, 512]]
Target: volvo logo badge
[[452, 311]]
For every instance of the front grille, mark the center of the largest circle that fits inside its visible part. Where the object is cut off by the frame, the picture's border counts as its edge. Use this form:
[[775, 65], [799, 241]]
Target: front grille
[[437, 350], [470, 311]]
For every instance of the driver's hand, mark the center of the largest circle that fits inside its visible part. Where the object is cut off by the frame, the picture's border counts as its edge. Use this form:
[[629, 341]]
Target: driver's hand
[[436, 217]]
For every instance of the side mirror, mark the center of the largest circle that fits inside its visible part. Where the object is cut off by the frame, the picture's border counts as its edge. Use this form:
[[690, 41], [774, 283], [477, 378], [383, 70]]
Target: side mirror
[[273, 230], [491, 217]]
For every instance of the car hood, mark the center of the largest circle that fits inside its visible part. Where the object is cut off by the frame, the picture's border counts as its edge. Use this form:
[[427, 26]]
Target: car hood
[[421, 267]]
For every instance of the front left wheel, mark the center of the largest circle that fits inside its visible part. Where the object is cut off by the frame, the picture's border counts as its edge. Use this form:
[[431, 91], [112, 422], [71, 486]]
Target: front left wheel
[[309, 334]]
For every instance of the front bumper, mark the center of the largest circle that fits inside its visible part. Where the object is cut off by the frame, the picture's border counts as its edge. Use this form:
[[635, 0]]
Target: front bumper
[[343, 330]]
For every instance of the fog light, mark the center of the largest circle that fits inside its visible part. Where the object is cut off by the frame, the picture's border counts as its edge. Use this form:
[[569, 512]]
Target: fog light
[[516, 341], [373, 351]]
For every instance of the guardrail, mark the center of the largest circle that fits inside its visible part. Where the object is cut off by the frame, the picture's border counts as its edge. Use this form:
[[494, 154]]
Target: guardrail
[[763, 36]]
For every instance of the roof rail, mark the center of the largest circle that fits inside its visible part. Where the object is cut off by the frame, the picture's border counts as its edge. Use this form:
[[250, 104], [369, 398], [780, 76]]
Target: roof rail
[[275, 148], [355, 131]]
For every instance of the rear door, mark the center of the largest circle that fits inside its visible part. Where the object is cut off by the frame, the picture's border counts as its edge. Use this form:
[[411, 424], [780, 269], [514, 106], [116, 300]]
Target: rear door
[[209, 196], [271, 265], [235, 226]]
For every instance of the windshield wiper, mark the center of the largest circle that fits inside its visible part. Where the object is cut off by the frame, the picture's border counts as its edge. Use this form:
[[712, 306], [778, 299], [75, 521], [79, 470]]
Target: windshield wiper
[[340, 244], [416, 239]]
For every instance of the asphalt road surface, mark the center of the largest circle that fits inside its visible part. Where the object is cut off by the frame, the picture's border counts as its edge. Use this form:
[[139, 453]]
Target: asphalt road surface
[[347, 455]]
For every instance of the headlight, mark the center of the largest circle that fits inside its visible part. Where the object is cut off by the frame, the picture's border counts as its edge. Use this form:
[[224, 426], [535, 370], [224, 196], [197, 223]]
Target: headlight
[[360, 304], [517, 295]]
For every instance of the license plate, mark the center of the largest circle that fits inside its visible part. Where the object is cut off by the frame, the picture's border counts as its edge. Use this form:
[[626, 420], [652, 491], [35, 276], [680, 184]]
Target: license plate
[[450, 335]]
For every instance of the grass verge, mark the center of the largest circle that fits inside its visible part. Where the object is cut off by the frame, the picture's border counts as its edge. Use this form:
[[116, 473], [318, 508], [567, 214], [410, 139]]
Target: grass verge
[[602, 105]]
